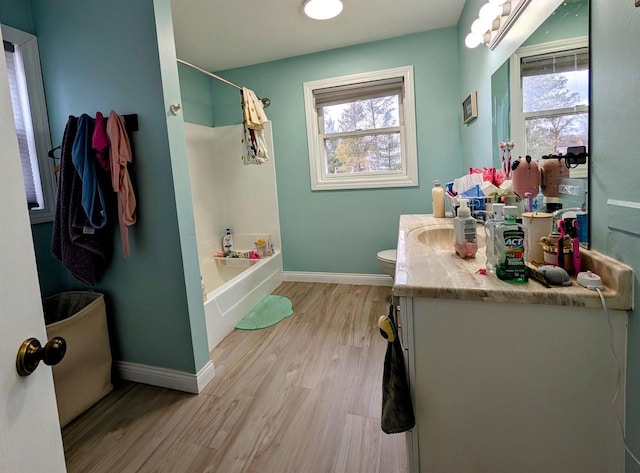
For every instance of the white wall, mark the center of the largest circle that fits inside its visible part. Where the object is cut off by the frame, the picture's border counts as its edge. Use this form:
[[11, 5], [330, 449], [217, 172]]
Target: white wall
[[228, 194]]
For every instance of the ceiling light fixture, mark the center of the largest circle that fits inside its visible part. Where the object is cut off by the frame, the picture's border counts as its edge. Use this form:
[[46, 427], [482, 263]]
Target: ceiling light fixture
[[322, 9]]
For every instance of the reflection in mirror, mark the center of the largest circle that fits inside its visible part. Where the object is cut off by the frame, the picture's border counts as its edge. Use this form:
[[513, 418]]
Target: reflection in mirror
[[540, 100]]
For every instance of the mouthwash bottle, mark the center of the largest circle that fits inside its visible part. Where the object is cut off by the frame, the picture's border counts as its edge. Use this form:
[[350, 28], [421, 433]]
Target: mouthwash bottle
[[511, 245], [490, 231]]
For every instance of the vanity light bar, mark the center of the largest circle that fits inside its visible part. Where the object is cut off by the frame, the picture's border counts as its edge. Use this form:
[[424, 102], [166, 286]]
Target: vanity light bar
[[495, 18]]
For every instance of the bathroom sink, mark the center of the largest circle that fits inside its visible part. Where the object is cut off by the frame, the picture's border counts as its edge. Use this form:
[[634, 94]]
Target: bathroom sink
[[440, 237]]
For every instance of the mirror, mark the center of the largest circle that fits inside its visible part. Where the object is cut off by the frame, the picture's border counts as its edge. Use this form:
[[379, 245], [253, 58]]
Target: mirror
[[540, 100]]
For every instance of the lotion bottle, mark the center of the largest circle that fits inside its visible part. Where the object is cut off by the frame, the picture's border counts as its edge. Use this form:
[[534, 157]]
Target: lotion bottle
[[227, 241], [464, 230], [437, 196]]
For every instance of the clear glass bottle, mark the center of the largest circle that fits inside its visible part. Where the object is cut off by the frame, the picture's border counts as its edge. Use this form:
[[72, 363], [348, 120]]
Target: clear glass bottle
[[490, 240]]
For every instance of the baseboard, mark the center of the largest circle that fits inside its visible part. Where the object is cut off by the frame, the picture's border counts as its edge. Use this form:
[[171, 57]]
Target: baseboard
[[166, 378], [339, 278]]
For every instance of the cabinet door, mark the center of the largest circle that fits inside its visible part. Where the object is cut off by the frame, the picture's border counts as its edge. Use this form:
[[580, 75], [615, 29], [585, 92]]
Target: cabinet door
[[516, 388]]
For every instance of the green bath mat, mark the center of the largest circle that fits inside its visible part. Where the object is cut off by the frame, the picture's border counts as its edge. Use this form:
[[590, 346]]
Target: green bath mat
[[268, 312]]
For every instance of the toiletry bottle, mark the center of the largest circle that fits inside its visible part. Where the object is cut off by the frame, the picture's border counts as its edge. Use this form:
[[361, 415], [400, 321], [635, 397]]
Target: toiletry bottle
[[227, 241], [437, 196], [270, 249], [464, 230], [511, 239], [490, 231]]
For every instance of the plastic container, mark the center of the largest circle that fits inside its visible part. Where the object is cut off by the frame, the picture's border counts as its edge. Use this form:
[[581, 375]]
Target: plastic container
[[538, 225], [464, 230], [511, 246], [437, 197], [227, 241]]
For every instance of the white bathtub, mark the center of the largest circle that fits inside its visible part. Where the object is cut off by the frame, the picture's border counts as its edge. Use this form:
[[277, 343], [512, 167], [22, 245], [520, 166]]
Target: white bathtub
[[234, 288]]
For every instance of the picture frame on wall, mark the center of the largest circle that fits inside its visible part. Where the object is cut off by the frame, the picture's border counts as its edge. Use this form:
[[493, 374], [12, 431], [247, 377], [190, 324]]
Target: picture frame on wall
[[470, 107]]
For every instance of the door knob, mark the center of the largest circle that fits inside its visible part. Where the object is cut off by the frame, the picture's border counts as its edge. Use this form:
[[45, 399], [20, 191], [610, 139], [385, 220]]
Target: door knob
[[31, 353]]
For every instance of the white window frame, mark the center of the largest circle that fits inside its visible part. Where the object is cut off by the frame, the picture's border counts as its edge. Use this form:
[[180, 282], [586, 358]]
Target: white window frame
[[407, 177], [28, 45], [518, 127]]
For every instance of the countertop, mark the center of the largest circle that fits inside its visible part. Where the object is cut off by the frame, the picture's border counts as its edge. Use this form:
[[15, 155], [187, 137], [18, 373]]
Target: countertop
[[433, 270]]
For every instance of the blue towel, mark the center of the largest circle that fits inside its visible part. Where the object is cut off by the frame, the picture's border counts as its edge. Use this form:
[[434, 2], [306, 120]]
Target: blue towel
[[83, 156]]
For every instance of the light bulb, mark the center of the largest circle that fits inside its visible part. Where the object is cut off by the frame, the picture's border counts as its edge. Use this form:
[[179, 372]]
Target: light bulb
[[489, 12], [480, 26], [473, 40], [322, 9]]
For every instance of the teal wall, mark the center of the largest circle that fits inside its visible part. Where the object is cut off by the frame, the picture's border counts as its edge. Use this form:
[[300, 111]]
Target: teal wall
[[341, 231], [94, 57], [500, 110], [197, 96], [615, 121], [17, 14], [570, 19]]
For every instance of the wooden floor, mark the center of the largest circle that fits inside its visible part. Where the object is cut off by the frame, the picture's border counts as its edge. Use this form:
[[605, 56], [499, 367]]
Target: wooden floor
[[301, 396]]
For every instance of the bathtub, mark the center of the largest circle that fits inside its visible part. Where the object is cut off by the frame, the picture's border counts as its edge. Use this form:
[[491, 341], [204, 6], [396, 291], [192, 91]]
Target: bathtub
[[233, 287]]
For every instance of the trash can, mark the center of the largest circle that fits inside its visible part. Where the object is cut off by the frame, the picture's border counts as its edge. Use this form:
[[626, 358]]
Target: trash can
[[84, 375]]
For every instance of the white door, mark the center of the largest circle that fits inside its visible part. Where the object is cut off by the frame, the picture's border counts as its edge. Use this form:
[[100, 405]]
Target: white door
[[30, 439]]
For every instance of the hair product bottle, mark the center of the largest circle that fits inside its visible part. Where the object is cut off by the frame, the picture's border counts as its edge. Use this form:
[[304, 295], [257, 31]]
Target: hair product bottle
[[437, 196]]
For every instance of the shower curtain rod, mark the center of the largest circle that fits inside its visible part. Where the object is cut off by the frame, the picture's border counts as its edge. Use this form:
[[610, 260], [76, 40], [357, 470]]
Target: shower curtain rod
[[265, 102]]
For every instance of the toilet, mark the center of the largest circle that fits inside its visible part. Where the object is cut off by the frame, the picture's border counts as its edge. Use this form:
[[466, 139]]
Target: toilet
[[387, 260]]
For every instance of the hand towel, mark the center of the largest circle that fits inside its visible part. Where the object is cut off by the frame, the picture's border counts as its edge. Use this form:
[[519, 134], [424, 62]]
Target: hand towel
[[397, 410], [100, 142], [253, 110], [254, 118], [120, 156]]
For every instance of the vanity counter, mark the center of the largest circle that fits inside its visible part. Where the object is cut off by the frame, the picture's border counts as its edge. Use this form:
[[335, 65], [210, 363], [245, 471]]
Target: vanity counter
[[435, 272]]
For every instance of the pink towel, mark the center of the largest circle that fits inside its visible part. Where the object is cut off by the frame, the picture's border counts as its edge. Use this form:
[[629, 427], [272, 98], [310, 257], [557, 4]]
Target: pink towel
[[100, 142], [120, 154]]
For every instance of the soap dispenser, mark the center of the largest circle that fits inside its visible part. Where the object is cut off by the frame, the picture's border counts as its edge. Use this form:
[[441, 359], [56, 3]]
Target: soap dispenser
[[464, 230]]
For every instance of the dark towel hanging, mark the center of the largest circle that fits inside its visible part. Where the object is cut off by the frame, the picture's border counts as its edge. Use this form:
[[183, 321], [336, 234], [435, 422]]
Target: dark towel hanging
[[397, 410], [82, 249]]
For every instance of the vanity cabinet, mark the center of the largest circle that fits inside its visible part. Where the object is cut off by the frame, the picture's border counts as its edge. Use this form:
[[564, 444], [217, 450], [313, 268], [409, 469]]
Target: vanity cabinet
[[504, 387], [507, 377]]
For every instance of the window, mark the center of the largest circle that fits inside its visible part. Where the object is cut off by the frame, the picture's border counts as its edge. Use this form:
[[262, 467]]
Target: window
[[551, 99], [31, 120], [361, 130]]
